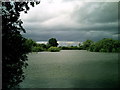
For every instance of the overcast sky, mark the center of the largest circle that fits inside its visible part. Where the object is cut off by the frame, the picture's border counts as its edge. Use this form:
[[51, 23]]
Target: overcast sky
[[71, 20]]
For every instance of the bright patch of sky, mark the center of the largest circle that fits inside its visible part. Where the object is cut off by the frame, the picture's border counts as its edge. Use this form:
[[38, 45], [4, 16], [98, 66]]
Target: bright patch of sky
[[62, 43]]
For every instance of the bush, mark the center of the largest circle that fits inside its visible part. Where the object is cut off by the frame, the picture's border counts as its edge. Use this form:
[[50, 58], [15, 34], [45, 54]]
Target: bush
[[54, 49], [70, 48], [37, 49]]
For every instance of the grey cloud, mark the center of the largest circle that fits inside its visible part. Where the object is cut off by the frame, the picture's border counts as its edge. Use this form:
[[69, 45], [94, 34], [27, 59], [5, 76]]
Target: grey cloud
[[94, 21], [69, 36], [38, 17], [92, 16], [110, 27], [71, 0], [97, 12]]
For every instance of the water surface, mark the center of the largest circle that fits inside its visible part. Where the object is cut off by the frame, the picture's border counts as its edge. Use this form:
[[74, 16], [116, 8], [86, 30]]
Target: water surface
[[71, 69]]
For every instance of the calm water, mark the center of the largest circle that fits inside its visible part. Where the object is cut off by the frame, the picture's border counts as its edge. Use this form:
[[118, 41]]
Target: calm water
[[71, 69]]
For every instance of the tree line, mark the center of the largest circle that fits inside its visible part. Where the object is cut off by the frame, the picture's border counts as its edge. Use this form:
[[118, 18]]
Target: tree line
[[50, 46], [104, 45]]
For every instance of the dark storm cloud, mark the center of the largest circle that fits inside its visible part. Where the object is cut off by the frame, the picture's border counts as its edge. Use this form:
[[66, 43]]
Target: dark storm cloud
[[94, 12], [66, 36], [110, 27], [72, 21]]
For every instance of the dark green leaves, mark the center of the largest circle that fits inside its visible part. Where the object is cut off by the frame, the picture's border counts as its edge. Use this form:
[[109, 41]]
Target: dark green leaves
[[14, 48], [53, 42]]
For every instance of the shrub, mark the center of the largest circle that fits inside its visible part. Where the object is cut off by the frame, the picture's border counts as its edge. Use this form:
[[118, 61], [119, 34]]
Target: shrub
[[54, 49], [37, 49], [70, 48]]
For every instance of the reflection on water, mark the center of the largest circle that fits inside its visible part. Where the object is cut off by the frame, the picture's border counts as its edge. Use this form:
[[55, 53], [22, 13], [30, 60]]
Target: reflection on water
[[71, 69]]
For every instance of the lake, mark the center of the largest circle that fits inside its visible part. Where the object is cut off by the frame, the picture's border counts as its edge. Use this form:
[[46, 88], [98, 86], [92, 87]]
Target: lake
[[71, 69]]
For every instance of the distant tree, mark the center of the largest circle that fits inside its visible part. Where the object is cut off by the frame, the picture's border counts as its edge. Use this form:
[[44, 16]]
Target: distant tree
[[91, 48], [87, 44], [53, 42], [14, 49], [39, 47], [29, 43], [79, 44], [42, 45], [106, 45]]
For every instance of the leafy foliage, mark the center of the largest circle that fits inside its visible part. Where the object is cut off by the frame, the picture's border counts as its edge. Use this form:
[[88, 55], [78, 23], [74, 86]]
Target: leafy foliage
[[14, 45], [54, 49], [52, 42], [37, 49], [30, 44], [42, 45], [87, 44], [70, 48], [106, 45]]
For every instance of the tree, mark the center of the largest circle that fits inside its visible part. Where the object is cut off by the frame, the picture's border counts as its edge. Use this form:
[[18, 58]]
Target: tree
[[29, 43], [14, 49], [106, 45], [42, 45], [87, 44], [53, 42]]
